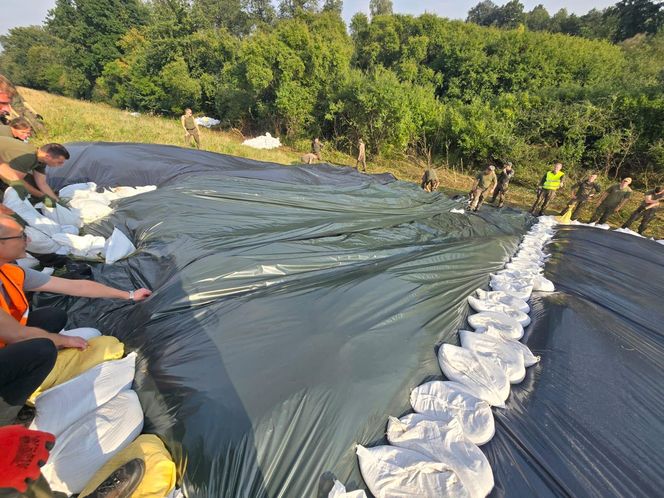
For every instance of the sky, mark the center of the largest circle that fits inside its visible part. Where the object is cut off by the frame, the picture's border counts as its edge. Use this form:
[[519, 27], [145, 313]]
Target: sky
[[15, 13]]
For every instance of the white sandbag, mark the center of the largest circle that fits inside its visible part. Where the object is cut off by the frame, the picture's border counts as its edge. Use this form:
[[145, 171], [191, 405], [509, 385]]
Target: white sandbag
[[445, 400], [118, 246], [444, 443], [69, 229], [27, 262], [508, 327], [86, 333], [89, 443], [339, 491], [520, 291], [543, 284], [503, 298], [87, 246], [63, 405], [206, 121], [481, 377], [519, 283], [392, 472], [69, 191], [63, 216], [266, 141], [26, 211], [501, 352], [39, 242], [479, 305], [91, 210], [123, 192], [529, 359]]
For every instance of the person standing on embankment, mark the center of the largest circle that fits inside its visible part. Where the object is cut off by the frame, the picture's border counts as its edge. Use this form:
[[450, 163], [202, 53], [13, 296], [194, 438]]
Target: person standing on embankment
[[190, 128]]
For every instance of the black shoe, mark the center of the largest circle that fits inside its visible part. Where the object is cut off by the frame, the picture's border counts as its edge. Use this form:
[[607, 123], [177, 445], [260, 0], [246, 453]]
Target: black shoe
[[25, 416], [123, 482]]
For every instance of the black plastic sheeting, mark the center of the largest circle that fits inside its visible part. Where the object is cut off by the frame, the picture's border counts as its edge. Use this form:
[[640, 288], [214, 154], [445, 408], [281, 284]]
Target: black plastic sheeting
[[587, 420], [294, 308]]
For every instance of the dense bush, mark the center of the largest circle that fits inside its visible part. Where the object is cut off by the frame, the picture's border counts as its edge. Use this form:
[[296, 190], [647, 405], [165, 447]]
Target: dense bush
[[426, 86]]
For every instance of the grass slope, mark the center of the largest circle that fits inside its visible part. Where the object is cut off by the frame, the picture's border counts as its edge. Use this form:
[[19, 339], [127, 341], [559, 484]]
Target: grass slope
[[70, 120]]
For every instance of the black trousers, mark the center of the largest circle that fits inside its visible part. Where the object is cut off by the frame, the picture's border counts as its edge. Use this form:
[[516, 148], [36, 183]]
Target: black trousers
[[648, 215], [24, 365]]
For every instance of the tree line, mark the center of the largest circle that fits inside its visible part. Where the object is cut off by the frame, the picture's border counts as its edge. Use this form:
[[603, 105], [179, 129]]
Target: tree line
[[457, 92]]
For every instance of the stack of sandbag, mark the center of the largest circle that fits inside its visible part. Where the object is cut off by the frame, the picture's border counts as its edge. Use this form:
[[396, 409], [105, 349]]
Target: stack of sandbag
[[434, 451], [266, 141], [88, 404], [207, 121], [56, 230]]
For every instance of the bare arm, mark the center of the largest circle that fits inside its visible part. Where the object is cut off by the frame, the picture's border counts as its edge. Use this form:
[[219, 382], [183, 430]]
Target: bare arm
[[12, 332], [88, 288], [182, 121], [40, 180]]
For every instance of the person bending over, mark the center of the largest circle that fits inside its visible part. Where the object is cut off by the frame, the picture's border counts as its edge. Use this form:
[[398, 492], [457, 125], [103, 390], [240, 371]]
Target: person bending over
[[19, 159]]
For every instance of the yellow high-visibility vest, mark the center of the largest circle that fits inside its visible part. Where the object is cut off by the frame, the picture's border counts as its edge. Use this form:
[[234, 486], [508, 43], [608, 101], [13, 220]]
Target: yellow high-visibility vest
[[552, 181]]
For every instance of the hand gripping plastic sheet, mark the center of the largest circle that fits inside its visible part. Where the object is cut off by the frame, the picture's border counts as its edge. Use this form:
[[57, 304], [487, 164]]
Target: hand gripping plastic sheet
[[294, 308], [587, 421]]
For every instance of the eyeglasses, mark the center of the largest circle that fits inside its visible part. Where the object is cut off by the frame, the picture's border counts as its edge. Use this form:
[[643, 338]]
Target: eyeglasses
[[22, 235]]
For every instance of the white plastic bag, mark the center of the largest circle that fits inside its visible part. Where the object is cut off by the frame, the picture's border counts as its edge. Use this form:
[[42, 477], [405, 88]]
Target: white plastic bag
[[69, 191], [118, 246], [86, 333]]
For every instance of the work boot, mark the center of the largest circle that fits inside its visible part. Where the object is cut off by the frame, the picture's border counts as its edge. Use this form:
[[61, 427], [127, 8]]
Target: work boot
[[123, 482]]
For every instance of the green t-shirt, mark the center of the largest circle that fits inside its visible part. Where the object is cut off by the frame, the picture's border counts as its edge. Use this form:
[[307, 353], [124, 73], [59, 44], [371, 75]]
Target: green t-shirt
[[6, 131], [189, 122], [486, 179], [615, 195], [20, 156]]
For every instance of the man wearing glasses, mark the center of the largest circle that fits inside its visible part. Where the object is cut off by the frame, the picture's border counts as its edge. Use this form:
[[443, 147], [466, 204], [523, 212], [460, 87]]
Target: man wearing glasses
[[29, 339]]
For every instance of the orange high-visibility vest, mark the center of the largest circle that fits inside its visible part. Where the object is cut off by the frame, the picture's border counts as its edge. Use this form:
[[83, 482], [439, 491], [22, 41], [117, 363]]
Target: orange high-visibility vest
[[17, 306]]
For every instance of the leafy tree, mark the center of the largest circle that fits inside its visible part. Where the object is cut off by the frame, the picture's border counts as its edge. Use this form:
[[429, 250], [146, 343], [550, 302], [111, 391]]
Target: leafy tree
[[509, 15], [538, 19], [291, 8], [90, 29], [637, 16], [484, 13], [380, 7], [335, 6]]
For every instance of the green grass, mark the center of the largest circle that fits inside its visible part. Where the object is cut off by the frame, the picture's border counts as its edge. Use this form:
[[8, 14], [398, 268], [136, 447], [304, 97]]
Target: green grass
[[70, 120]]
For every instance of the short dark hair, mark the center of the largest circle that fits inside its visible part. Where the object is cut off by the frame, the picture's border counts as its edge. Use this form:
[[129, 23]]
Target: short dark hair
[[20, 124], [55, 150]]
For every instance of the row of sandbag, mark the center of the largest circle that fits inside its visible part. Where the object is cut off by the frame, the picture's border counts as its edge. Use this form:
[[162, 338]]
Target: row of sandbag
[[87, 403], [56, 230], [435, 451]]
